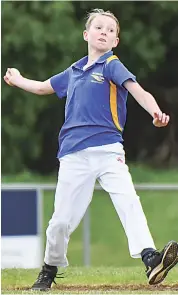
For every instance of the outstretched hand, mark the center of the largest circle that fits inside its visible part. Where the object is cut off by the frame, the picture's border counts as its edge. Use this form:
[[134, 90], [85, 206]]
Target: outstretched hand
[[160, 119], [11, 76]]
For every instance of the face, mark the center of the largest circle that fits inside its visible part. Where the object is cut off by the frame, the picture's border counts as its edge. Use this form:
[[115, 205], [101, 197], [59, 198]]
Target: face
[[102, 33]]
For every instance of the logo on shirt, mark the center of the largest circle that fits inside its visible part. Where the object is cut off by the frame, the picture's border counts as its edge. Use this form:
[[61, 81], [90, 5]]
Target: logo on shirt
[[97, 78]]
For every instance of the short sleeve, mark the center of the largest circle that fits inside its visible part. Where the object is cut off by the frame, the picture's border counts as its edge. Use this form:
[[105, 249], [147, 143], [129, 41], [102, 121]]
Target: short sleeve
[[118, 73], [60, 83]]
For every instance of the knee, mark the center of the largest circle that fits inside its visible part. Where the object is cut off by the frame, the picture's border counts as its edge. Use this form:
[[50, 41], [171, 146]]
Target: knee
[[135, 202], [63, 226], [131, 201], [60, 226], [134, 199]]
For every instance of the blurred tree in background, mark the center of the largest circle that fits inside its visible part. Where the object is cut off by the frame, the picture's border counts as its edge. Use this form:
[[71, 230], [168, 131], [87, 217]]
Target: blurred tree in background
[[43, 38]]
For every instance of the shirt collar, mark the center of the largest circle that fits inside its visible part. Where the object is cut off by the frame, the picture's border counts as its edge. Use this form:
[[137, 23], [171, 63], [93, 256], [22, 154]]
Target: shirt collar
[[83, 61], [104, 57]]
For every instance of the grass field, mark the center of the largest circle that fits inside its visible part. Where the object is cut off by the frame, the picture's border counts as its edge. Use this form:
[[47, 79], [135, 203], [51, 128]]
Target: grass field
[[113, 270], [108, 240], [129, 280], [140, 173]]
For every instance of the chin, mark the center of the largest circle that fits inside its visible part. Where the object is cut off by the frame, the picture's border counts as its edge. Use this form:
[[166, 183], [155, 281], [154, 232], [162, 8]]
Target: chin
[[102, 48]]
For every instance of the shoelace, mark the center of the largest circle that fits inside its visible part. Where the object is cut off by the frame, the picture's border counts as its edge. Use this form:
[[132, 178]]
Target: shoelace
[[43, 275], [46, 275], [156, 253], [58, 276]]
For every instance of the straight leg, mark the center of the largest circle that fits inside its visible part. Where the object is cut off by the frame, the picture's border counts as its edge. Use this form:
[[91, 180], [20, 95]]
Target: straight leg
[[73, 195], [116, 180]]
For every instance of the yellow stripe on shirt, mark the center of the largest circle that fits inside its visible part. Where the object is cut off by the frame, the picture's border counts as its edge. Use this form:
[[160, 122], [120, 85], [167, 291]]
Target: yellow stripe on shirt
[[111, 58], [113, 98], [113, 105]]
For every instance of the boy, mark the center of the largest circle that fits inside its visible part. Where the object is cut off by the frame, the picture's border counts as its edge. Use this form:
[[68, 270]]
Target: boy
[[90, 148]]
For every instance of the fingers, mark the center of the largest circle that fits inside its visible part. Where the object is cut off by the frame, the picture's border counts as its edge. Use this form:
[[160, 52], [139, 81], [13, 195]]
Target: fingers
[[10, 71], [167, 119], [7, 80], [11, 74], [8, 76], [161, 119], [164, 119]]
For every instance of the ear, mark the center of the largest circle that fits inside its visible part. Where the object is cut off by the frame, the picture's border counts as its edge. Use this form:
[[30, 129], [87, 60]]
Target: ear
[[116, 42], [85, 35]]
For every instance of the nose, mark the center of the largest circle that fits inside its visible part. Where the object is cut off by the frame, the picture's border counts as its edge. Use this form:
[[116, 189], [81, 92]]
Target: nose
[[103, 33]]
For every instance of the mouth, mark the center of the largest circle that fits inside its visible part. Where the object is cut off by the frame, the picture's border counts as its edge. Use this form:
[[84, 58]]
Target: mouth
[[102, 40]]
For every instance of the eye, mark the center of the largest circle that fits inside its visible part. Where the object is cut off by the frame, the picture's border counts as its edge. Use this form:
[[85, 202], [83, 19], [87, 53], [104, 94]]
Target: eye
[[111, 30], [98, 27]]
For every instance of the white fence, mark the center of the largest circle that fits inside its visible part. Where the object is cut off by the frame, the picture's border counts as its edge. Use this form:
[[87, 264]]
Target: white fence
[[86, 221], [50, 186]]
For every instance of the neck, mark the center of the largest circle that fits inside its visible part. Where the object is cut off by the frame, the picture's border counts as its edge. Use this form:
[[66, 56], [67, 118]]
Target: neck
[[94, 55]]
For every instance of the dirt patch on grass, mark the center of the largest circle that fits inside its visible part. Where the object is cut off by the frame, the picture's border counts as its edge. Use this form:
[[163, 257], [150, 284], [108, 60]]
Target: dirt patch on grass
[[120, 287], [109, 287]]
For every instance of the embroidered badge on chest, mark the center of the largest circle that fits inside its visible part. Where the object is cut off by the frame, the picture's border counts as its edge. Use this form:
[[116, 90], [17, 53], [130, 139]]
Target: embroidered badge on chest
[[97, 78]]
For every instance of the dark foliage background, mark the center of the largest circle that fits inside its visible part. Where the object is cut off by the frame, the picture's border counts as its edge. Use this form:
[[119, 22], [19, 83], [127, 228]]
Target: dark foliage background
[[43, 38]]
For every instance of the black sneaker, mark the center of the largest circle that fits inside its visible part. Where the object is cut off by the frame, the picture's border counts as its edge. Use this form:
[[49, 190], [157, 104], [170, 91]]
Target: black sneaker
[[45, 279], [160, 263]]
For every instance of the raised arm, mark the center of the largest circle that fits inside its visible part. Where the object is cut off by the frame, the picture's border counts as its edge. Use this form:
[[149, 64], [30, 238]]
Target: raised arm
[[147, 101], [14, 78]]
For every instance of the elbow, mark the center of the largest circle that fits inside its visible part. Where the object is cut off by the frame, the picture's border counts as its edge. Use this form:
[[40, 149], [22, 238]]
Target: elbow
[[146, 96], [40, 89], [45, 88]]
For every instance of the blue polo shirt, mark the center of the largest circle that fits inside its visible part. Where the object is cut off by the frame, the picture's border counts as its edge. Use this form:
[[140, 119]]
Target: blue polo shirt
[[95, 110]]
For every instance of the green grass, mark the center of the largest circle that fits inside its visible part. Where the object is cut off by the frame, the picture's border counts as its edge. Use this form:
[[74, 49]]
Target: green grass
[[108, 240], [28, 177], [130, 280], [113, 270], [139, 172]]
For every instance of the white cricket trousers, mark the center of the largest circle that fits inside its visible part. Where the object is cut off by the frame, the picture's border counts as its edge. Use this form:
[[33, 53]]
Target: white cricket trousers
[[76, 180]]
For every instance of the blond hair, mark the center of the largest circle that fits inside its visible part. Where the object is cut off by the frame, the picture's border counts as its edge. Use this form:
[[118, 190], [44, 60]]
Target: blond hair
[[91, 15]]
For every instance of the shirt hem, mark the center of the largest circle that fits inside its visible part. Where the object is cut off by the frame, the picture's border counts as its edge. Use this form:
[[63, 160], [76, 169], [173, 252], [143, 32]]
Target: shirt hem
[[59, 156]]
